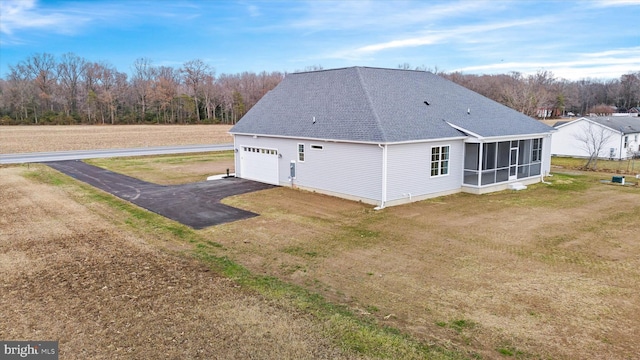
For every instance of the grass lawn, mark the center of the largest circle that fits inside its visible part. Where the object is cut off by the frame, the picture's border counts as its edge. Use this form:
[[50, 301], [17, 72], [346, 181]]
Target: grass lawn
[[170, 169], [630, 167], [549, 272]]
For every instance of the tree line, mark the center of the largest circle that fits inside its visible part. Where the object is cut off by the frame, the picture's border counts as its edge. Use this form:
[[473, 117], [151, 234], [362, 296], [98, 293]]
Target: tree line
[[542, 95], [43, 89]]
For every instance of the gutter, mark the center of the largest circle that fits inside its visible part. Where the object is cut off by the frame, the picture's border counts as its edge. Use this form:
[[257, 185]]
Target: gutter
[[347, 141]]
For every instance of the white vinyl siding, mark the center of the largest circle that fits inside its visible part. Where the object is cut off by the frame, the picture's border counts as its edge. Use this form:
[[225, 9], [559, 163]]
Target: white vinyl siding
[[351, 169], [565, 140], [342, 168], [409, 170]]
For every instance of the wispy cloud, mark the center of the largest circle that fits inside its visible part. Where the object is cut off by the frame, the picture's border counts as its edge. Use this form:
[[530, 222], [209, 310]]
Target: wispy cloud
[[19, 15], [605, 64], [613, 3], [375, 15], [434, 37]]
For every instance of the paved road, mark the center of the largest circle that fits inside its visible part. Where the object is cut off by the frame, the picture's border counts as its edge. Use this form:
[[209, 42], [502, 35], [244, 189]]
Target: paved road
[[92, 154], [196, 204]]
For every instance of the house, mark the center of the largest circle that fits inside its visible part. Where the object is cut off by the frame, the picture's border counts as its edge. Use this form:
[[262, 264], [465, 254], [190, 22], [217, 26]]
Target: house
[[615, 137], [634, 111], [387, 137]]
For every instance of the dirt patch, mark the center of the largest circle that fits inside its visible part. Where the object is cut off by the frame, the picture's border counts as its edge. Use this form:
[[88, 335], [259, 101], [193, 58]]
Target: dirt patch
[[24, 139], [545, 272], [104, 293]]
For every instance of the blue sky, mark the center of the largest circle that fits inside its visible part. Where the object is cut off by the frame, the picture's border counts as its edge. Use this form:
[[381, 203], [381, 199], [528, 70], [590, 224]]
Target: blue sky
[[573, 39]]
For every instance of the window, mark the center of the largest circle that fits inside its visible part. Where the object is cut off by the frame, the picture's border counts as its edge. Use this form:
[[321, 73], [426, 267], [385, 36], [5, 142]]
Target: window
[[536, 150], [439, 160], [260, 150], [301, 152], [626, 142], [317, 147]]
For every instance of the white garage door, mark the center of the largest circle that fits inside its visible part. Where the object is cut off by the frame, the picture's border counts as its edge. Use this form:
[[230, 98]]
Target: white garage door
[[259, 164]]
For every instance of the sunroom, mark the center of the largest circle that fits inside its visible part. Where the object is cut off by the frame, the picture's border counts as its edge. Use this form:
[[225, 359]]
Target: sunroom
[[490, 164]]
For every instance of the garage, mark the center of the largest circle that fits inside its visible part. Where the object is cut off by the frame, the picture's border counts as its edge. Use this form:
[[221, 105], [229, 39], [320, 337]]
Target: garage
[[259, 164]]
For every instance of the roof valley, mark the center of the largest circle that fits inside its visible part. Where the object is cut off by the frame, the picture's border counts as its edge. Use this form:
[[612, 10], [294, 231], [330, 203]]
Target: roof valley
[[383, 135]]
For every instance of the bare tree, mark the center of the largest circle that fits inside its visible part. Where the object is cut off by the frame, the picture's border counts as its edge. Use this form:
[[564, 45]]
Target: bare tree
[[593, 139], [20, 93], [106, 95], [195, 72], [165, 89], [529, 94], [210, 92], [70, 71], [143, 77], [630, 90]]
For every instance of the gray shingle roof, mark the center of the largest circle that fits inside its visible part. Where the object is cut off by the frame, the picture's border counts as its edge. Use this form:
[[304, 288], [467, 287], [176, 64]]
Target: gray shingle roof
[[379, 105], [624, 124]]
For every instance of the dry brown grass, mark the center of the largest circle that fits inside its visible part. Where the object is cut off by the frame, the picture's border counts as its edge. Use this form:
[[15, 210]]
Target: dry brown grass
[[171, 169], [550, 272], [546, 272], [24, 139], [68, 274]]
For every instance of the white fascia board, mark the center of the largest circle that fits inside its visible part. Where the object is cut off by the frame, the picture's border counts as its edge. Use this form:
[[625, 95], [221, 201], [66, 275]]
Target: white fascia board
[[517, 137], [459, 128], [481, 139], [427, 140], [569, 123], [354, 141]]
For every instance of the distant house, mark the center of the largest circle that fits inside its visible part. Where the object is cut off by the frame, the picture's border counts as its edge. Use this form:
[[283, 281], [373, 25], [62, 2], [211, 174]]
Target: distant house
[[634, 111], [619, 135], [387, 137]]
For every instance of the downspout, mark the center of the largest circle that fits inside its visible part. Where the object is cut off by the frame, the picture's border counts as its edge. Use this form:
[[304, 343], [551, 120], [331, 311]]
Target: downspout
[[621, 140], [542, 172], [542, 164], [384, 178], [480, 155], [236, 158]]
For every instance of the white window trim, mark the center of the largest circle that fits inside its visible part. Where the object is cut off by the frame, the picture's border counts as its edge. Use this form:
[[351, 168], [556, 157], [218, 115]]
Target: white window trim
[[440, 161], [298, 152]]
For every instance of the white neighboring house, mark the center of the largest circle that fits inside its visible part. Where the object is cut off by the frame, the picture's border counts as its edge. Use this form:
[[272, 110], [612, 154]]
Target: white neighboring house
[[616, 137], [387, 137]]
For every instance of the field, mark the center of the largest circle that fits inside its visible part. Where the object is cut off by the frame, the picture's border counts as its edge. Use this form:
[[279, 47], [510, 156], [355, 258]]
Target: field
[[73, 270], [548, 272], [23, 139]]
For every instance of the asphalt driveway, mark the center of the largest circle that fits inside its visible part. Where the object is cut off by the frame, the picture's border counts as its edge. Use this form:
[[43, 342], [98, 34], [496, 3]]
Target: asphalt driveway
[[196, 205]]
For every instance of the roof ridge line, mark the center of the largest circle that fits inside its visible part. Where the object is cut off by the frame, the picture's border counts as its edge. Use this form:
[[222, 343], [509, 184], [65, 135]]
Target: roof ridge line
[[373, 109]]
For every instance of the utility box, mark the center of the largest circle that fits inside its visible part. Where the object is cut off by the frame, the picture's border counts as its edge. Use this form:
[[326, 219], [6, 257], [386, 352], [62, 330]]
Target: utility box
[[618, 180]]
